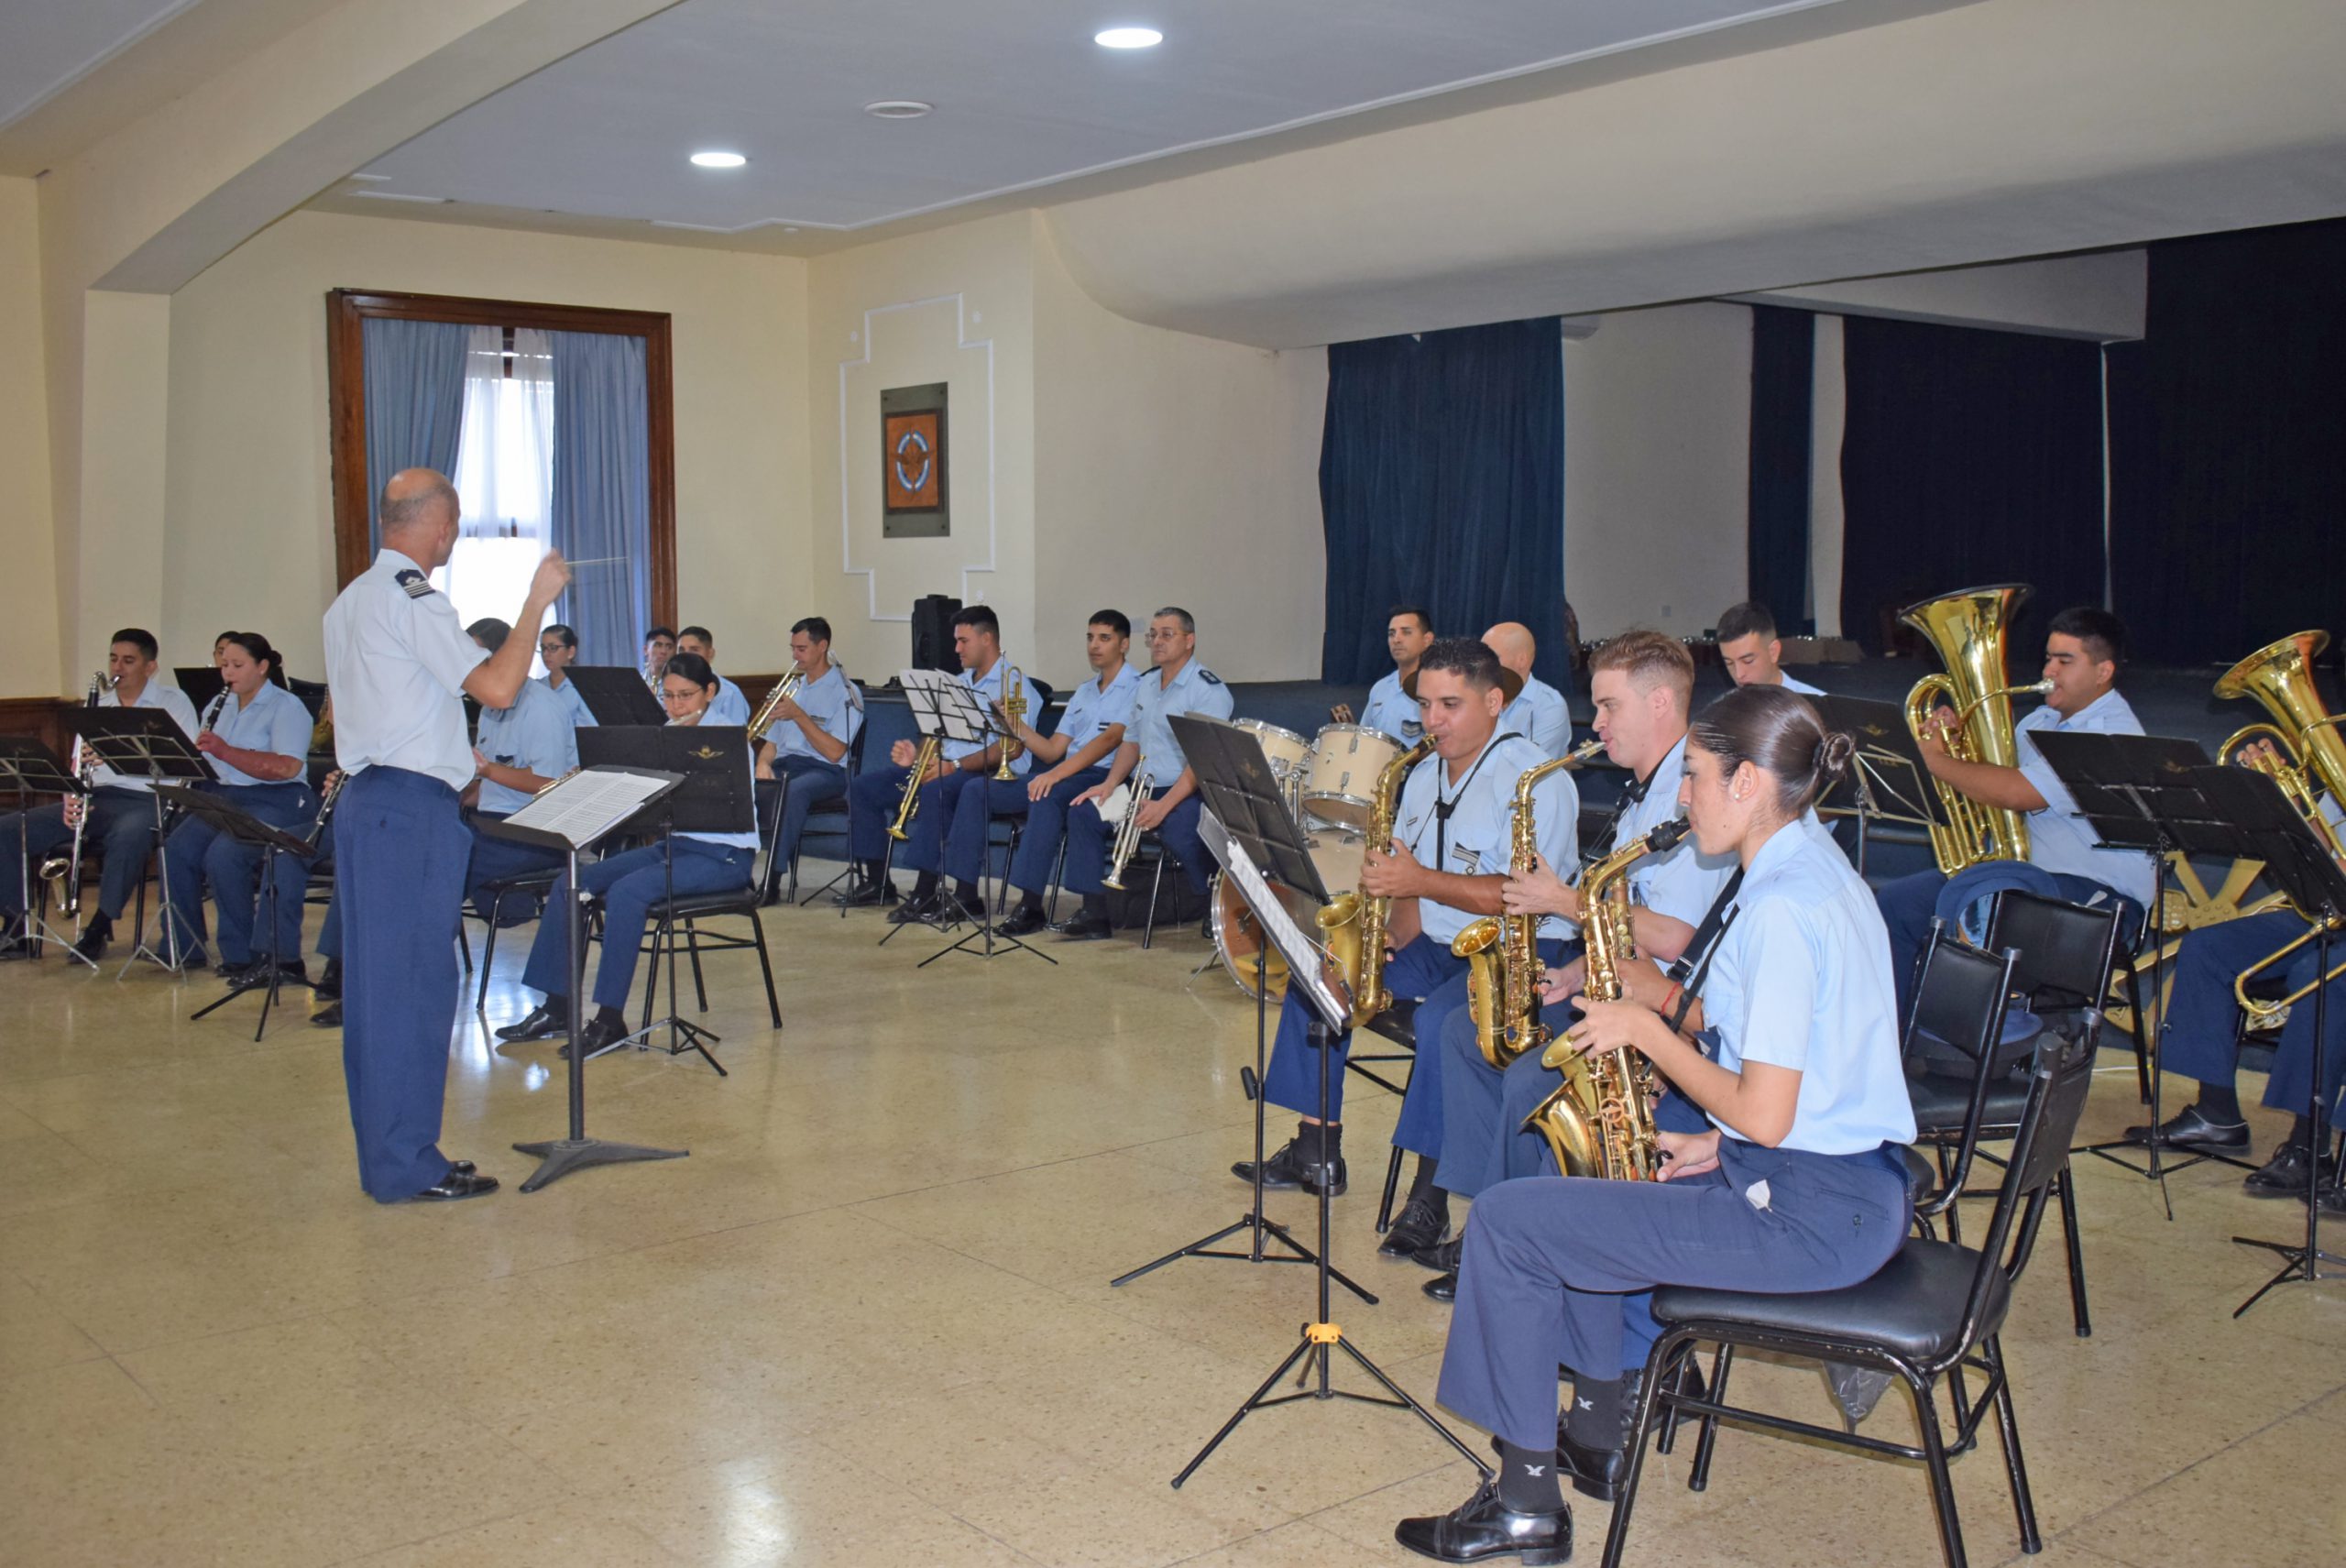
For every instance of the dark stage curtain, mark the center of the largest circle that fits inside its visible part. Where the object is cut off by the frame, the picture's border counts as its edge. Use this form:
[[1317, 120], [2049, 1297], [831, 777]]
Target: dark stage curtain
[[2228, 446], [1783, 352], [1441, 482], [1969, 458]]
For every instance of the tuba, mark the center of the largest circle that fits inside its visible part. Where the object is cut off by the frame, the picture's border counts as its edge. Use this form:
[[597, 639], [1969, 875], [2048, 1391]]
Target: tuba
[[1967, 628], [1355, 924], [1599, 1120], [1502, 952]]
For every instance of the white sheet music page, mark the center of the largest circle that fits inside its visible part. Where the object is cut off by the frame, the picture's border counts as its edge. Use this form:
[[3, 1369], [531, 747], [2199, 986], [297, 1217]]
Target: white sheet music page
[[1286, 936], [585, 805]]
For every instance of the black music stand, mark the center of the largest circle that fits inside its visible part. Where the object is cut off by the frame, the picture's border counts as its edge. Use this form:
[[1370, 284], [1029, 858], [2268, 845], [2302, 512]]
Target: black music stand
[[28, 768], [713, 794], [246, 829], [199, 683], [945, 708], [146, 742], [1890, 782], [993, 944], [617, 696], [570, 815]]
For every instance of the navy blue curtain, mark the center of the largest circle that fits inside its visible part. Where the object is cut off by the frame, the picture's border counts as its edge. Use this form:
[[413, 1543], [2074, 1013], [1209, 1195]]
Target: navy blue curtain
[[1969, 458], [1441, 483], [414, 374], [1784, 353], [2228, 446], [602, 491]]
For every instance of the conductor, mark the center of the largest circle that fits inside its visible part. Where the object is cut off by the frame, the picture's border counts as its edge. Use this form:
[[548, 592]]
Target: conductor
[[397, 659]]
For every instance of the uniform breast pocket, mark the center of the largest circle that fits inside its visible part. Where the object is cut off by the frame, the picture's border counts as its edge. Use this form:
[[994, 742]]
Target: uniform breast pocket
[[1476, 859]]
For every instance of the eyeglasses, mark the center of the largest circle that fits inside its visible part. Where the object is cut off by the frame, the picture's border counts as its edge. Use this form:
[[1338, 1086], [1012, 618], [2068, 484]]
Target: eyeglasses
[[670, 697]]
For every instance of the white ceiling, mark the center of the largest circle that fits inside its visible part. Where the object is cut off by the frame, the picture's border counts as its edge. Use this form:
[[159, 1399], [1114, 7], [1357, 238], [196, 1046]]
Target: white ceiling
[[46, 46], [1024, 97]]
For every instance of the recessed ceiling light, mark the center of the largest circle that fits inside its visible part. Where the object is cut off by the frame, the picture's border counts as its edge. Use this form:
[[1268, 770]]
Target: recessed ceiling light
[[1128, 38], [719, 160], [899, 108]]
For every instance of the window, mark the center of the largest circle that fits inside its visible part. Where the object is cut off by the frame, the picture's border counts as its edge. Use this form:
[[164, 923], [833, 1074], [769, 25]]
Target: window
[[504, 472]]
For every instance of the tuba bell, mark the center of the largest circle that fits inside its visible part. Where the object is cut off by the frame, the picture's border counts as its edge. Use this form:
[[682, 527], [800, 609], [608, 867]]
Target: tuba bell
[[1967, 628]]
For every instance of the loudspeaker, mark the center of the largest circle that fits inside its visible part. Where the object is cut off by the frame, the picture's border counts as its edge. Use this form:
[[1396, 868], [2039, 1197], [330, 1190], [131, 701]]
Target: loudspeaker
[[933, 634]]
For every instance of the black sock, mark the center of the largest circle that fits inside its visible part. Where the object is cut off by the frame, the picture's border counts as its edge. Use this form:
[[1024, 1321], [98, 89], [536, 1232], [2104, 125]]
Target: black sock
[[1421, 1183], [972, 898], [2300, 1131], [1096, 903], [101, 922], [1528, 1480], [924, 886], [1595, 1420], [558, 1007], [2219, 1102], [1029, 899], [610, 1015], [1319, 1142], [871, 870]]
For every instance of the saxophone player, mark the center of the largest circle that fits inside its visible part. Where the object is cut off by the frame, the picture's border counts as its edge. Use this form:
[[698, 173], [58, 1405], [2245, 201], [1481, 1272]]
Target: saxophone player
[[1794, 1183], [1452, 832]]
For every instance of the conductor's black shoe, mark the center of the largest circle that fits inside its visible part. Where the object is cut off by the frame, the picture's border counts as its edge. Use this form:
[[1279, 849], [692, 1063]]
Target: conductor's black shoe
[[2287, 1174], [455, 1187], [1441, 1288], [1421, 1225], [1086, 927], [1023, 921], [329, 1016], [92, 943], [543, 1024], [1483, 1527], [602, 1032], [329, 986], [1443, 1256], [1287, 1167], [2188, 1129]]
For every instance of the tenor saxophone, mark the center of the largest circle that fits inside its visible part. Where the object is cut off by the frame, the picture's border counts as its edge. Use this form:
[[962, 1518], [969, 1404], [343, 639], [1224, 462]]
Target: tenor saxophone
[[1502, 951], [1599, 1120], [1354, 926]]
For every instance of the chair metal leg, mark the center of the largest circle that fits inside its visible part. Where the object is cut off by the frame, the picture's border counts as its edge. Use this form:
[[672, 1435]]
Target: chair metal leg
[[488, 954], [2008, 1430], [1616, 1535], [766, 966], [692, 945], [1706, 1443], [1935, 1466], [1392, 1185], [660, 932], [2065, 1183], [2139, 1033]]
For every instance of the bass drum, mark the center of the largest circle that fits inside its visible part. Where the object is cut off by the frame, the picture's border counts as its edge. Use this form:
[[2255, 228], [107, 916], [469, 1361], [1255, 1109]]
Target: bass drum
[[1237, 936], [1343, 776]]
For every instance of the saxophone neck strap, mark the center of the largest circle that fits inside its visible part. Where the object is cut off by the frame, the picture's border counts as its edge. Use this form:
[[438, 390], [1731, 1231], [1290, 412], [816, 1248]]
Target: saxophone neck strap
[[1691, 969], [1444, 805]]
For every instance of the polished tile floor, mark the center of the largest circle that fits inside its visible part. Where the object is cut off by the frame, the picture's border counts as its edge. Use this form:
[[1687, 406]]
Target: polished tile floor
[[869, 1322]]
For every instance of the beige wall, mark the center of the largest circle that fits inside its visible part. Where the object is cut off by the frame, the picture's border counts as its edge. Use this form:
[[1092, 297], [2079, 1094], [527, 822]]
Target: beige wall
[[29, 652], [249, 540]]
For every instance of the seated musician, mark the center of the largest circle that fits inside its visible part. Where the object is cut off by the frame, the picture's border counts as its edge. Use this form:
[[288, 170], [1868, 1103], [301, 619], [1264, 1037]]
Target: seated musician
[[259, 745], [122, 825], [1642, 684], [628, 884], [731, 705], [558, 650], [1072, 760], [1452, 829], [2082, 653], [1409, 632], [1538, 714], [659, 647], [1751, 650], [812, 729], [1153, 758], [876, 798], [1794, 1182]]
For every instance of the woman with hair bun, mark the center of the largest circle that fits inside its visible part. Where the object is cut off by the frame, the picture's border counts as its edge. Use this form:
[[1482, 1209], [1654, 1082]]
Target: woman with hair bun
[[1788, 1065]]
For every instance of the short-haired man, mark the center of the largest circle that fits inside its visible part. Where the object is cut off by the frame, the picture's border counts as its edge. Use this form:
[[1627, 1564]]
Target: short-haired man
[[807, 744], [1409, 632], [1091, 728], [874, 798], [729, 705], [1453, 827], [1152, 758], [658, 646], [558, 650], [1752, 652], [1538, 713], [122, 827]]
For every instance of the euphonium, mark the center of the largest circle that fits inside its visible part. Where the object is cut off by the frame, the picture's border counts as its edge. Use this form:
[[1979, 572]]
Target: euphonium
[[1502, 951], [1967, 628], [1599, 1122], [1016, 709], [1127, 827], [1355, 926], [784, 688], [923, 759]]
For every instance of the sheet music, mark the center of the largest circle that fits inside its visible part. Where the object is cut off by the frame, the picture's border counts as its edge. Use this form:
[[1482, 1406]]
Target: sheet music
[[1286, 936], [585, 805]]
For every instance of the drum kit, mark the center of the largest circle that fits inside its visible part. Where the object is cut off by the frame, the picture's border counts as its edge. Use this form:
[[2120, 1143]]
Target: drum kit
[[1326, 783]]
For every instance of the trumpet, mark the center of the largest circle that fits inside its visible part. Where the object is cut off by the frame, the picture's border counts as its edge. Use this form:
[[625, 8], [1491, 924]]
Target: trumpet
[[923, 759], [784, 689], [1016, 709], [1127, 827]]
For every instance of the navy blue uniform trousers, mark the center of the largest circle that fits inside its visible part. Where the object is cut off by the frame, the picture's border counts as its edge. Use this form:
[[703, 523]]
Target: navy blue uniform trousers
[[1039, 845], [808, 784], [629, 883], [121, 832], [1088, 836], [1472, 1093], [1423, 971], [400, 848], [2198, 1039], [1561, 1270], [200, 854]]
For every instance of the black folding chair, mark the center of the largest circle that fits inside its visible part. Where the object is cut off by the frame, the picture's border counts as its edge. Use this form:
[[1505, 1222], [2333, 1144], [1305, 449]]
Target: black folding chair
[[1959, 1007]]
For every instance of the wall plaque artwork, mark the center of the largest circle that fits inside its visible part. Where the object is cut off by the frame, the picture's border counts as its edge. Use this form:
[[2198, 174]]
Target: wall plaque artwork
[[915, 499]]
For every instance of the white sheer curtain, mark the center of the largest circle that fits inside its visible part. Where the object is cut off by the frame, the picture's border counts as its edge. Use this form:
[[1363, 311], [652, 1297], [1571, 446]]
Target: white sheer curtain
[[504, 474]]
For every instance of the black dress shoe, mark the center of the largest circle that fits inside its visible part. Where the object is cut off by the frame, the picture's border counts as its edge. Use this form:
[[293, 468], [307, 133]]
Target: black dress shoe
[[2288, 1173], [327, 1018], [1441, 1288], [455, 1187], [2188, 1129], [1086, 927], [1421, 1225], [294, 974], [2331, 1198], [1442, 1256], [913, 910], [1483, 1527], [543, 1024], [1024, 921], [601, 1033], [92, 943], [329, 986], [862, 895], [1598, 1471], [1287, 1167]]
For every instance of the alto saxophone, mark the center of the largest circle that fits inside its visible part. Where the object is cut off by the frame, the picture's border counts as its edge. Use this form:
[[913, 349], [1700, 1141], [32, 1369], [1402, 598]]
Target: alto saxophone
[[1599, 1122], [1502, 951], [1353, 925]]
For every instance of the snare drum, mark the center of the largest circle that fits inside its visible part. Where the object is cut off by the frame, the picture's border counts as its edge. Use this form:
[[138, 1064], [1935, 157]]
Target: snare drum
[[1342, 779], [1288, 750], [1238, 938]]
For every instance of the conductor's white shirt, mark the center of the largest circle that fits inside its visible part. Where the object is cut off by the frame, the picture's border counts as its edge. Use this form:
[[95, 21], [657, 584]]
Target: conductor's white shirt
[[395, 662]]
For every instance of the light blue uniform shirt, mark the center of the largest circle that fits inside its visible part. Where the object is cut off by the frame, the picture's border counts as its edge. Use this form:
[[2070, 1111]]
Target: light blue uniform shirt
[[273, 721], [991, 689], [1479, 838], [729, 706], [835, 707], [1801, 688], [397, 659], [1195, 690], [1090, 710], [1540, 716], [1394, 711], [2059, 839], [1682, 884], [535, 733], [572, 700], [1801, 980]]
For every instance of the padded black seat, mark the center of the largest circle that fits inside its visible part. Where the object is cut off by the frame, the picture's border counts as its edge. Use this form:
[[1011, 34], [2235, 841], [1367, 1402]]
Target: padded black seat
[[1916, 1306], [1398, 1023], [1941, 1100]]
